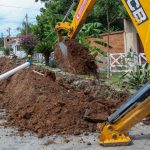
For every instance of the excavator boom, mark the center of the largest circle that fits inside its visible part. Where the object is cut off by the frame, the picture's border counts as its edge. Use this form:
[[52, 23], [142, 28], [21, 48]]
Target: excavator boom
[[82, 11]]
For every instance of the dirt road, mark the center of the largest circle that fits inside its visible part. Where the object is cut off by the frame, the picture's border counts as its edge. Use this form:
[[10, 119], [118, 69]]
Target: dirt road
[[11, 141]]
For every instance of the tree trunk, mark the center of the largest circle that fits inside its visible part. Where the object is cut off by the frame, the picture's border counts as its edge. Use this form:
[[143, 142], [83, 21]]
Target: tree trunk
[[108, 42], [46, 56]]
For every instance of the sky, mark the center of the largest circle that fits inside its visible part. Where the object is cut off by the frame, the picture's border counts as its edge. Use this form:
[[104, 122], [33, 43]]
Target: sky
[[12, 14]]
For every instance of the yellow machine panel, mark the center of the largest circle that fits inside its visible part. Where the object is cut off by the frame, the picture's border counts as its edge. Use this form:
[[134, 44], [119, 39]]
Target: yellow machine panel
[[139, 11], [83, 10]]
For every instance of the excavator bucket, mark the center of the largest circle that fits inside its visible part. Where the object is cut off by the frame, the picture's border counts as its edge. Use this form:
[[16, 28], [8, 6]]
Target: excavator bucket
[[63, 48], [139, 12]]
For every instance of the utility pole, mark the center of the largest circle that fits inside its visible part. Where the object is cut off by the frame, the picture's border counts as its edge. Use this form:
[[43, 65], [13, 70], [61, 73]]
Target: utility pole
[[8, 30], [26, 23], [2, 35]]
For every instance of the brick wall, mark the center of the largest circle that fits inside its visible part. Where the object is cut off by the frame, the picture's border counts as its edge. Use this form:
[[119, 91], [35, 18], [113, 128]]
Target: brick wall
[[116, 41]]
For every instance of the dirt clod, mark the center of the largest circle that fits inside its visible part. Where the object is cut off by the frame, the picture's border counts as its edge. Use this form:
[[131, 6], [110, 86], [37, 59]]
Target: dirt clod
[[78, 59]]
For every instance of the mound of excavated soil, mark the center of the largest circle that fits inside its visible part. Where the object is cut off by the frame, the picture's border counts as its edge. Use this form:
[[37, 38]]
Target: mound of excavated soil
[[44, 105], [77, 60]]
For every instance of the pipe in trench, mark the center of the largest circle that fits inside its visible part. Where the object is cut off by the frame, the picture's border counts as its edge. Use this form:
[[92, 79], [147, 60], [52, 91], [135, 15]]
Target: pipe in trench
[[13, 71]]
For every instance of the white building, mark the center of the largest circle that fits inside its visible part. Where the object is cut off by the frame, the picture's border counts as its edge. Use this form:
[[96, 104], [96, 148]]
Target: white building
[[14, 43]]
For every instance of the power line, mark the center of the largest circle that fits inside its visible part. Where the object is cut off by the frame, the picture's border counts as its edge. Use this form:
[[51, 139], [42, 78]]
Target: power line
[[15, 18], [11, 21], [18, 7], [7, 21]]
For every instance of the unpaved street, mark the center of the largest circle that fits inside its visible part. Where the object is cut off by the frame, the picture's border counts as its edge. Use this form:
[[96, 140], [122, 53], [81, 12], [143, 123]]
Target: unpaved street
[[10, 140]]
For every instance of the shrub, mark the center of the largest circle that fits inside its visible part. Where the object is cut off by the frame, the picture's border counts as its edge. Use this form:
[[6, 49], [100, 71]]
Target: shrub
[[7, 51], [137, 77]]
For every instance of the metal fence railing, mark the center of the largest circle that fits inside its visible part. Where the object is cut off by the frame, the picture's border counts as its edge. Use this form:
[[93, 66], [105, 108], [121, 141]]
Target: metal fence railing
[[124, 62]]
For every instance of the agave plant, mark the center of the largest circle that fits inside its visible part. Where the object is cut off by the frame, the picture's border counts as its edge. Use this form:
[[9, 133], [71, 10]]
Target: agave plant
[[137, 77]]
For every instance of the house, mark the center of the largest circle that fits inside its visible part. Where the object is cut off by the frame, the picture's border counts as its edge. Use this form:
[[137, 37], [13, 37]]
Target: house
[[14, 43]]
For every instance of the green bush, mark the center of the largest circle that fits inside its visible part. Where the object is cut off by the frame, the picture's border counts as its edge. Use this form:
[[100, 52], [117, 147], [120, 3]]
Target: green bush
[[137, 77], [6, 51]]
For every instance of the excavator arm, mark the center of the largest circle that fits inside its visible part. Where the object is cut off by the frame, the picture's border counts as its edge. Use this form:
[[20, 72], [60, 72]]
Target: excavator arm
[[83, 10]]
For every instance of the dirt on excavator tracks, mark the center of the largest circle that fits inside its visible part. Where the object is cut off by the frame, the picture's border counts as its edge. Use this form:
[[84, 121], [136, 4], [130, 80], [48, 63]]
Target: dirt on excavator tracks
[[77, 60], [47, 106]]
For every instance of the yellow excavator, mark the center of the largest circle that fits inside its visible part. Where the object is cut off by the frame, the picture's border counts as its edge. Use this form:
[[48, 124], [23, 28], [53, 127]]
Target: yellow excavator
[[137, 107]]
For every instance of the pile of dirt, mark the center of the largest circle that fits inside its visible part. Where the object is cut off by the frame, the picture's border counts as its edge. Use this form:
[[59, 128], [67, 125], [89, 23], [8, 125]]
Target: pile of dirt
[[76, 60], [44, 105], [6, 64]]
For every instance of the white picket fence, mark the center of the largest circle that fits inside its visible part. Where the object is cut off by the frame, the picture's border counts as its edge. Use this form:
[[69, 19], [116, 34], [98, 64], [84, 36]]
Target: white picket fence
[[38, 57], [124, 62]]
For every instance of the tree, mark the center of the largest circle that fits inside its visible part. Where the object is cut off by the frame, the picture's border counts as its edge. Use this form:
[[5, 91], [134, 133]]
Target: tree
[[112, 10], [45, 48], [26, 28], [28, 43], [45, 30], [1, 42]]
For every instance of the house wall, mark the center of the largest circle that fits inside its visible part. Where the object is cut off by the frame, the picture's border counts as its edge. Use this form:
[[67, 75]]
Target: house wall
[[116, 41], [8, 41], [130, 37]]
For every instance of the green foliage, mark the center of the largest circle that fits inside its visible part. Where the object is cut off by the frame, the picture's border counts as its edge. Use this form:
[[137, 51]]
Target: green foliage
[[92, 30], [112, 10], [103, 44], [1, 42], [25, 28], [43, 47], [7, 51], [137, 77]]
